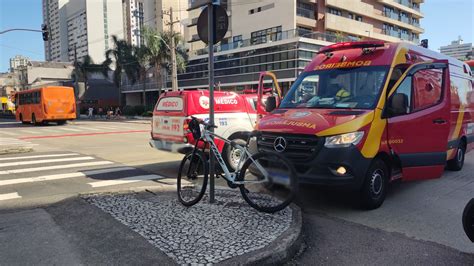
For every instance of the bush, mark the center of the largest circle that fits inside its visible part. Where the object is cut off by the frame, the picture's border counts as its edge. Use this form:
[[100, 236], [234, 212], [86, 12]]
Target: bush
[[84, 110], [139, 109], [129, 110], [147, 114]]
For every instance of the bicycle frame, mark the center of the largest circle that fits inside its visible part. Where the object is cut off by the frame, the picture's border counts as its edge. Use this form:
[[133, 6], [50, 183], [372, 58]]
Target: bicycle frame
[[229, 176]]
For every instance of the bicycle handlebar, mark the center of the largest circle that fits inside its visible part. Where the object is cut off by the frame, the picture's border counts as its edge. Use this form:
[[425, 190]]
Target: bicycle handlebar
[[201, 122]]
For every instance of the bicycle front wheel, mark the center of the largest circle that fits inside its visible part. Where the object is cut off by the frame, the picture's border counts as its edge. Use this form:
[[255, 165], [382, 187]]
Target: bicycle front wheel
[[268, 182], [192, 178]]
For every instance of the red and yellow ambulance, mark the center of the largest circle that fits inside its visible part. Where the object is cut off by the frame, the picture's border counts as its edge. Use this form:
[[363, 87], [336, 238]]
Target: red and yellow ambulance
[[363, 114]]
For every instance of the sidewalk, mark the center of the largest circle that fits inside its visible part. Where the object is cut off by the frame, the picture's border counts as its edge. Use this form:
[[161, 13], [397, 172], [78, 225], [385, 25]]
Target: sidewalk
[[149, 228]]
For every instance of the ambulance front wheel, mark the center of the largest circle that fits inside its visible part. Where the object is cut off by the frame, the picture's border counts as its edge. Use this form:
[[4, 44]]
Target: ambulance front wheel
[[374, 188], [457, 162]]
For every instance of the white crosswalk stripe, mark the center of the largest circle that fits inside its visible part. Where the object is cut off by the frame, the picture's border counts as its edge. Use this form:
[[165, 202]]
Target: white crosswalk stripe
[[61, 176], [8, 133], [9, 196], [47, 161], [125, 180], [69, 129], [62, 173], [37, 156], [54, 167]]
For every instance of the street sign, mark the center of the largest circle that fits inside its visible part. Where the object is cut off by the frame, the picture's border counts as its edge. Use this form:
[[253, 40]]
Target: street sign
[[221, 23], [198, 3]]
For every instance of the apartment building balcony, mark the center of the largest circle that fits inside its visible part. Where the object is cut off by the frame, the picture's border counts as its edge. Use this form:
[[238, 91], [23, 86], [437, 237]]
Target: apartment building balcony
[[366, 10], [343, 24], [325, 38], [412, 9], [307, 13]]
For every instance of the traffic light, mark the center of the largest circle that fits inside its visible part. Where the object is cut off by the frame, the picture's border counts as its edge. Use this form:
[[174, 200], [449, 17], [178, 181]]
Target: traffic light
[[45, 32], [424, 43]]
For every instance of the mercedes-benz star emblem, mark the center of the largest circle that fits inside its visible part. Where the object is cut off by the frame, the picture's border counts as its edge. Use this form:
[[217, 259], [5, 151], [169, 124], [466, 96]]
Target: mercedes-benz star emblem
[[279, 144]]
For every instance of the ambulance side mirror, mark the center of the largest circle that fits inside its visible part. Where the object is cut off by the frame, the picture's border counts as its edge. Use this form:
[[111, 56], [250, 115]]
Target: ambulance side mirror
[[397, 105], [271, 104]]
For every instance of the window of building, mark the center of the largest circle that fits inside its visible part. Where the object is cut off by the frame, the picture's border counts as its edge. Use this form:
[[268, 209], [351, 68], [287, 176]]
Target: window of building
[[359, 18], [263, 36], [334, 11]]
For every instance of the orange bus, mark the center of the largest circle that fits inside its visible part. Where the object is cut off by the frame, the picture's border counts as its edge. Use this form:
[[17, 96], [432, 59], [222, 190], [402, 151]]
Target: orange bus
[[47, 104]]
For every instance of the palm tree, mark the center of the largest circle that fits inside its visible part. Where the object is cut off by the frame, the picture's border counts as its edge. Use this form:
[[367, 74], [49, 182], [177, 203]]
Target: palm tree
[[141, 53], [124, 59], [159, 53], [83, 68]]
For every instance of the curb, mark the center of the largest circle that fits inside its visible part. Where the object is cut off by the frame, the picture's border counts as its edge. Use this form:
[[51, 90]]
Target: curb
[[11, 150], [281, 250]]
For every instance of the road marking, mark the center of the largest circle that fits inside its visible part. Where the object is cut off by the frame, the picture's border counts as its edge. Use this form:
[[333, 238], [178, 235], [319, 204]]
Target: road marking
[[9, 133], [9, 196], [61, 176], [29, 131], [47, 161], [69, 129], [43, 168], [38, 156], [126, 180], [86, 134]]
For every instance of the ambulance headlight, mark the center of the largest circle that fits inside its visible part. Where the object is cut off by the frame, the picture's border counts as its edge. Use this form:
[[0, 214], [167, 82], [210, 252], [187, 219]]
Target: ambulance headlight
[[344, 140]]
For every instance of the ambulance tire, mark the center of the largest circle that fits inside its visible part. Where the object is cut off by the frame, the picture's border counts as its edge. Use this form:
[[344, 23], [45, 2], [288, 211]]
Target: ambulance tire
[[374, 189], [468, 220], [457, 162], [231, 155]]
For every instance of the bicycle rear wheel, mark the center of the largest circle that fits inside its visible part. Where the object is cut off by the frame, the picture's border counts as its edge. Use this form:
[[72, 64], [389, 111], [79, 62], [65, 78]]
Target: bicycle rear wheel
[[192, 178], [268, 182]]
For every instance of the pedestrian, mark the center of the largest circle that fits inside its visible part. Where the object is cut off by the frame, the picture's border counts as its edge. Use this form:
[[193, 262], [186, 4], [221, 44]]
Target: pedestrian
[[118, 112], [91, 112], [101, 112], [110, 112]]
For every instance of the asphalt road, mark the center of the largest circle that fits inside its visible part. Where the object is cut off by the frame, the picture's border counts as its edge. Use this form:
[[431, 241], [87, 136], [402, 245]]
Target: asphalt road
[[420, 222], [80, 157]]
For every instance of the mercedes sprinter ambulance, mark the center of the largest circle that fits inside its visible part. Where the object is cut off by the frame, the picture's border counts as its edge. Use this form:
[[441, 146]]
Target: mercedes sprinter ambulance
[[363, 114]]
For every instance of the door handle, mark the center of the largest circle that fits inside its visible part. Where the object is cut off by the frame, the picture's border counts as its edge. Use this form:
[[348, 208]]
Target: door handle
[[439, 121]]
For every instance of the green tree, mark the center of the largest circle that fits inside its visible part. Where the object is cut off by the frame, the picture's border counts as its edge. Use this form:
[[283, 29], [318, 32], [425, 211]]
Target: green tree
[[122, 58], [86, 66], [159, 53]]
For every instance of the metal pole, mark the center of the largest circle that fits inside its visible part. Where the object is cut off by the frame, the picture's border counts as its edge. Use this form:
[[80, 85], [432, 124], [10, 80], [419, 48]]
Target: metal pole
[[5, 31], [210, 34], [174, 72]]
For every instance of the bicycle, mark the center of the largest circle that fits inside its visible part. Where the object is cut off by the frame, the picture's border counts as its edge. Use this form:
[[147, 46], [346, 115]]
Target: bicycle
[[267, 180]]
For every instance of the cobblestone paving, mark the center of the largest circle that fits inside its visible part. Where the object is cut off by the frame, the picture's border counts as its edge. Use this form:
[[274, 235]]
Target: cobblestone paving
[[201, 234]]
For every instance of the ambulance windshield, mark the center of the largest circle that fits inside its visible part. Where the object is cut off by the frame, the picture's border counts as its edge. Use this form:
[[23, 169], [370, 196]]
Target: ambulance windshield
[[357, 88]]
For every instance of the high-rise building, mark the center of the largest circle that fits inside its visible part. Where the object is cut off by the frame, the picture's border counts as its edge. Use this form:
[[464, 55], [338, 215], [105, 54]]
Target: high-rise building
[[133, 20], [458, 49], [387, 20], [283, 36], [155, 18], [81, 27], [18, 61]]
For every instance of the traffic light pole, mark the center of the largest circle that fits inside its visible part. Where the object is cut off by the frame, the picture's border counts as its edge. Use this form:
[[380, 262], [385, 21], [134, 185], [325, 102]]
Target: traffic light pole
[[5, 31]]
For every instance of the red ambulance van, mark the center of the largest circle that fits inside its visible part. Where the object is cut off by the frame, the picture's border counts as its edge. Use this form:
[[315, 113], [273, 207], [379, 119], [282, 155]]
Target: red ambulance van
[[363, 114]]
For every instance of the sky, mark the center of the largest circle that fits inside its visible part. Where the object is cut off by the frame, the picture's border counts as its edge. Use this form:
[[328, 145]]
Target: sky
[[444, 21]]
